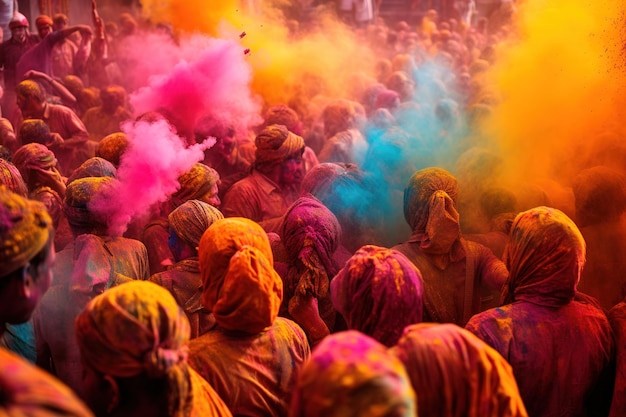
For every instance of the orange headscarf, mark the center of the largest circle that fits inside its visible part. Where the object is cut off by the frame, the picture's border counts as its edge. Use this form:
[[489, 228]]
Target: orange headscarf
[[240, 286]]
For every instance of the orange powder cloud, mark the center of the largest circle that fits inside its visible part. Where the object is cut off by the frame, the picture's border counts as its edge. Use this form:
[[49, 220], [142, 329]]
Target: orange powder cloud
[[561, 83], [323, 60]]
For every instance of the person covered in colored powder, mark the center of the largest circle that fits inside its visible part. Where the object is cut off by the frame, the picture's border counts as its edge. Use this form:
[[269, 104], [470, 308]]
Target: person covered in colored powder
[[105, 119], [69, 132], [617, 318], [310, 238], [26, 259], [352, 375], [557, 340], [456, 374], [379, 292], [460, 277], [266, 193], [91, 264], [252, 357], [133, 344], [199, 183], [187, 224]]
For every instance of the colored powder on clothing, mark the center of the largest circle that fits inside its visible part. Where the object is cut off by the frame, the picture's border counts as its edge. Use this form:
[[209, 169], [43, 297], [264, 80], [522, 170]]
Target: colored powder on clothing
[[148, 172], [215, 80], [561, 84]]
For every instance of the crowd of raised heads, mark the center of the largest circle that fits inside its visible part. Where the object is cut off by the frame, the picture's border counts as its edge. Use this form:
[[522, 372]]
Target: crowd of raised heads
[[313, 220]]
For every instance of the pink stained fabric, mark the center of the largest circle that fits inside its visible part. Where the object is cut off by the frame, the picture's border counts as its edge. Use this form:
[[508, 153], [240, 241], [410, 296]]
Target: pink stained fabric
[[379, 292], [28, 390], [349, 375], [559, 343], [617, 318], [455, 374]]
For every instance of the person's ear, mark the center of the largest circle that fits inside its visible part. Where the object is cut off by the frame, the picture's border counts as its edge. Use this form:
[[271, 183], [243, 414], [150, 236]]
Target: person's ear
[[27, 282], [111, 393]]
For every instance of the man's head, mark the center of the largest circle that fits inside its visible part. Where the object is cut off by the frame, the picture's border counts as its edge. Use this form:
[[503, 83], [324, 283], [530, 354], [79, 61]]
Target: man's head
[[44, 25], [19, 27], [279, 154], [59, 21], [112, 97], [31, 98], [26, 256]]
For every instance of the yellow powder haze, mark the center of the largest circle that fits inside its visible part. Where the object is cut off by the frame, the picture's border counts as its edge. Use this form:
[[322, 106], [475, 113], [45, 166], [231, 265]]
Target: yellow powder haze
[[561, 84], [322, 61]]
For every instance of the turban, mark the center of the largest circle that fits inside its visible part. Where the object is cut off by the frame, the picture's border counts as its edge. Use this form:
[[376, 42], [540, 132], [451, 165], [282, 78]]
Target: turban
[[429, 208], [275, 143], [33, 157], [191, 219], [25, 228], [379, 292], [112, 147], [195, 184], [34, 130], [284, 115], [79, 194], [93, 167], [137, 328], [349, 375], [240, 286], [311, 235], [43, 21], [455, 374], [545, 256], [11, 177]]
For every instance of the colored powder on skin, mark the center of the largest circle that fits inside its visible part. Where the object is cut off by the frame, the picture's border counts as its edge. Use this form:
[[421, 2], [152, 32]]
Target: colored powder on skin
[[216, 82], [560, 84], [148, 172], [284, 64]]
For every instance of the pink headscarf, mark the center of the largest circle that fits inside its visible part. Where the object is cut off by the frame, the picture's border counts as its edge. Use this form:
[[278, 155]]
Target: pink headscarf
[[379, 292]]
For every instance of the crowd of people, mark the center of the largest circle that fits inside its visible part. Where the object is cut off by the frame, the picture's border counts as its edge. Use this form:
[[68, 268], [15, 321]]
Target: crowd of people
[[351, 255]]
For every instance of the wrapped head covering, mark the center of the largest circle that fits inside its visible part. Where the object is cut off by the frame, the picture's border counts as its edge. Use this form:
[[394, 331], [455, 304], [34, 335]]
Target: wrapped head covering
[[284, 115], [11, 177], [240, 286], [600, 194], [137, 328], [429, 208], [275, 143], [43, 21], [79, 194], [349, 375], [112, 147], [545, 256], [455, 374], [191, 219], [33, 157], [25, 228], [195, 184], [379, 292], [311, 235], [93, 167]]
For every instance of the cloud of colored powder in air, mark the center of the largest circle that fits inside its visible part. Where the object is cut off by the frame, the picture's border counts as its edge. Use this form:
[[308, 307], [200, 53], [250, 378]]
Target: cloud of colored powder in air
[[561, 83], [148, 172], [322, 58], [215, 81]]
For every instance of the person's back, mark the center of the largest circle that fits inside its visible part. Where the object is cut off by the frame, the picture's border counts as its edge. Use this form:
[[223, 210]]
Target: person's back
[[558, 342], [460, 277], [252, 357], [617, 318]]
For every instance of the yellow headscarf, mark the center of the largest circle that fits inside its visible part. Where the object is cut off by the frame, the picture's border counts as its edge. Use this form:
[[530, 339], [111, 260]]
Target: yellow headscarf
[[25, 228], [136, 328], [240, 286]]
